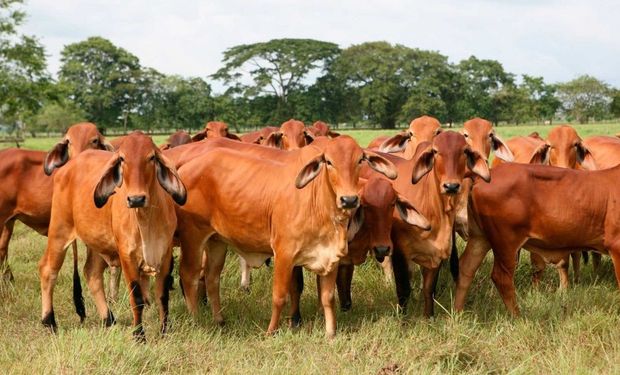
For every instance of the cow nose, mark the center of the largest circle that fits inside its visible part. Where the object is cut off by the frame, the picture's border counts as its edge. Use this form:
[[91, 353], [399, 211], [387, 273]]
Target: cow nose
[[349, 201], [136, 201], [381, 252], [451, 187]]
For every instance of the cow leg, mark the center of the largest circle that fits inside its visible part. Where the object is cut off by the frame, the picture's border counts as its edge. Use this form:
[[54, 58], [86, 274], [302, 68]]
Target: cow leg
[[343, 282], [245, 274], [328, 284], [49, 265], [5, 237], [189, 272], [297, 288], [576, 257], [388, 272], [216, 255], [114, 282], [93, 271], [596, 262], [202, 281], [402, 279], [162, 291], [136, 296], [469, 262], [538, 268], [429, 276], [283, 269], [562, 267], [615, 258], [504, 265]]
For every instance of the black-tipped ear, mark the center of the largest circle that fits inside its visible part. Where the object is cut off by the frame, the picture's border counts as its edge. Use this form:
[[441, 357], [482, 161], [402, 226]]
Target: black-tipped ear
[[541, 155], [309, 172], [478, 165], [423, 165], [333, 134], [199, 136], [410, 215], [500, 149], [584, 157], [111, 178], [169, 179], [308, 136], [57, 157], [396, 143], [233, 136], [274, 140]]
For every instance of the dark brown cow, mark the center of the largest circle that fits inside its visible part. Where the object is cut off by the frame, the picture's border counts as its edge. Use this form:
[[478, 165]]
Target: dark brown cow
[[119, 204], [26, 191], [421, 129], [292, 135], [215, 129], [551, 211], [320, 186], [178, 138]]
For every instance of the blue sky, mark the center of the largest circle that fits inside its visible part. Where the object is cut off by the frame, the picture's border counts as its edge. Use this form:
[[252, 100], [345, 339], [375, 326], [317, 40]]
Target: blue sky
[[558, 40]]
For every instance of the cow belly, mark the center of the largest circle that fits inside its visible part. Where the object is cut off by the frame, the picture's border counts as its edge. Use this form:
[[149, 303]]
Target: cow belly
[[254, 260]]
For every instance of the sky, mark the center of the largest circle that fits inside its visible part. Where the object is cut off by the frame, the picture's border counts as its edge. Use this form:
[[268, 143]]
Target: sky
[[556, 39]]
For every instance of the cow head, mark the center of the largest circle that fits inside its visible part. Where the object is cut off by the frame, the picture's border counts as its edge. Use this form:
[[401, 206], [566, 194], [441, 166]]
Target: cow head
[[451, 159], [422, 129], [137, 165], [481, 136], [292, 135], [215, 129], [78, 138], [176, 139], [566, 149], [341, 158], [321, 129]]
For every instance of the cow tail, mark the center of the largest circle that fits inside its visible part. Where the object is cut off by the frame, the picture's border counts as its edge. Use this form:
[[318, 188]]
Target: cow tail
[[78, 299], [586, 256], [454, 258]]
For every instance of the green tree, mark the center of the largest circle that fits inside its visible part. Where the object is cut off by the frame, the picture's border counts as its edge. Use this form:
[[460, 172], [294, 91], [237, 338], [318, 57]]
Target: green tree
[[585, 98], [57, 117], [614, 107], [542, 102], [102, 79], [276, 68]]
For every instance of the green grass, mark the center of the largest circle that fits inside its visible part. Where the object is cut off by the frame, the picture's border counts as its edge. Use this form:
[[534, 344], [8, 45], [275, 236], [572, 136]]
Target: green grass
[[575, 331]]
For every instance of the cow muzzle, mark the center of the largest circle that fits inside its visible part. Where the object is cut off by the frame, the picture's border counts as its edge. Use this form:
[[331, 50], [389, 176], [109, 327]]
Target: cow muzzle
[[349, 201], [381, 252], [451, 187], [136, 201]]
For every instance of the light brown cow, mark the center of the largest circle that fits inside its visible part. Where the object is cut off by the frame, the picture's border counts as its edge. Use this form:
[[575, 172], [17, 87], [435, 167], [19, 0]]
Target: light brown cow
[[421, 129], [551, 211], [119, 205], [321, 129], [531, 149], [292, 135], [604, 150], [178, 138], [215, 129], [297, 208], [26, 191]]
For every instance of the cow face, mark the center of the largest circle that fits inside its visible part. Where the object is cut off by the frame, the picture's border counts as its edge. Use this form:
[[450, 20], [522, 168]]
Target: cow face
[[342, 158], [292, 135], [139, 165], [78, 138], [481, 137], [566, 150], [451, 159], [422, 129], [215, 129]]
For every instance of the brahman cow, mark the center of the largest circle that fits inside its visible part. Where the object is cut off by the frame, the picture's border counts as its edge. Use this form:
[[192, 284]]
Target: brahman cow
[[321, 129], [421, 129], [297, 208], [292, 135], [215, 129], [178, 138], [259, 136], [119, 204]]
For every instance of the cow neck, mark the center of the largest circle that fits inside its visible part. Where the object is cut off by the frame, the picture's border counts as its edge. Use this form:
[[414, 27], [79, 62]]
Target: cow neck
[[435, 206]]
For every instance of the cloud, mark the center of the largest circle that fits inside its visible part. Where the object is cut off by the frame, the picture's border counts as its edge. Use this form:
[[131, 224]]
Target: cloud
[[558, 40]]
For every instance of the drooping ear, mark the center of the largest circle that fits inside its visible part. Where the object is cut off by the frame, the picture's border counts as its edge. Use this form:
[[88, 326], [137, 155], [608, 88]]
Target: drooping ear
[[410, 215], [165, 146], [111, 178], [584, 157], [233, 136], [423, 165], [333, 134], [309, 171], [308, 136], [274, 140], [105, 145], [541, 155], [396, 143], [57, 157], [500, 149], [381, 165], [477, 164], [355, 224], [199, 136], [169, 179], [258, 140]]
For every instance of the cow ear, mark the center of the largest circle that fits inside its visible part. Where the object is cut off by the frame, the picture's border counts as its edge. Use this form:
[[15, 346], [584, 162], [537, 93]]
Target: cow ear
[[396, 143], [233, 136], [105, 145], [258, 140], [423, 165], [477, 164], [584, 157], [535, 135], [274, 140], [500, 149], [333, 134], [381, 165], [410, 215], [169, 179], [309, 172], [355, 224], [165, 146], [111, 178], [57, 157], [308, 136], [199, 136], [541, 155]]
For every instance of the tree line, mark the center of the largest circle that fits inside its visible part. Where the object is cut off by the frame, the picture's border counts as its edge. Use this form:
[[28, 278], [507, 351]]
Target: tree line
[[372, 84]]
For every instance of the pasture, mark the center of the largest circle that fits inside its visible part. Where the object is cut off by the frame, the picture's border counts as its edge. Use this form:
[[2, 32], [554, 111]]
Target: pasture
[[575, 331]]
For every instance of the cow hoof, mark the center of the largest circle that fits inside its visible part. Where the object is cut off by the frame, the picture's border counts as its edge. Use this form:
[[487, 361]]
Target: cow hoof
[[49, 321], [345, 306], [245, 288], [139, 335], [296, 321], [110, 320]]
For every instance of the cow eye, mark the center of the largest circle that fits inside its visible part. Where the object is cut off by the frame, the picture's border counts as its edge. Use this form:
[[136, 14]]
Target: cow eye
[[95, 141], [490, 135], [152, 158], [465, 135]]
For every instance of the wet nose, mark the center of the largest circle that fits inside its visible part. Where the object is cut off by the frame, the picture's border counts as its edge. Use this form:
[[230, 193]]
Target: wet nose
[[381, 252], [349, 201], [136, 201], [451, 187]]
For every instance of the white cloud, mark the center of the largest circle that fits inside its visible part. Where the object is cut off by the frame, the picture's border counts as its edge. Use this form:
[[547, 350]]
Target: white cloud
[[558, 40]]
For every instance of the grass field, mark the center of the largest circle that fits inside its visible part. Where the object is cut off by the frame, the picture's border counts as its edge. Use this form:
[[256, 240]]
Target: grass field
[[575, 331]]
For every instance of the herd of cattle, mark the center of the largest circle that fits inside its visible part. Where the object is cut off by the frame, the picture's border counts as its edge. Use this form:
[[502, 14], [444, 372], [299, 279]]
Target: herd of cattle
[[309, 197]]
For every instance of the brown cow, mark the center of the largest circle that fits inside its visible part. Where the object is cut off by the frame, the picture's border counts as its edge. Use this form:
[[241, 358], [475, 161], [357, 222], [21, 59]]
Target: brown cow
[[178, 138], [215, 129], [481, 136], [531, 149], [421, 129], [297, 208], [259, 136], [292, 135], [604, 150], [321, 129], [437, 172], [119, 205], [551, 211], [26, 191]]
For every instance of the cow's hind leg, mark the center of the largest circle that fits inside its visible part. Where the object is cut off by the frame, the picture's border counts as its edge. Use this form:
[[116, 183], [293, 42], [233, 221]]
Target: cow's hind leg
[[576, 257], [505, 261], [189, 271], [245, 274], [562, 267], [5, 237], [216, 255], [162, 291], [343, 282], [402, 279], [297, 288], [430, 276], [114, 282], [538, 268], [283, 269], [93, 271], [473, 255], [136, 296], [328, 284], [49, 265]]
